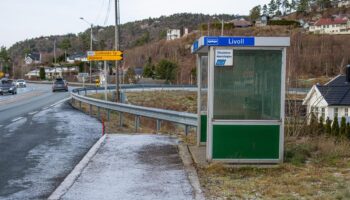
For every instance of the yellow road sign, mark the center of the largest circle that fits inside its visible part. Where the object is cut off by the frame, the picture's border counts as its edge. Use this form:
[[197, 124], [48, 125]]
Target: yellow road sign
[[104, 55], [104, 58]]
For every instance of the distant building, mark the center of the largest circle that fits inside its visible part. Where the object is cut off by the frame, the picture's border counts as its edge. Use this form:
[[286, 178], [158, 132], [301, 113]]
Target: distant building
[[32, 58], [344, 3], [241, 23], [77, 57], [330, 100], [173, 34], [51, 73], [331, 26], [262, 21], [138, 72]]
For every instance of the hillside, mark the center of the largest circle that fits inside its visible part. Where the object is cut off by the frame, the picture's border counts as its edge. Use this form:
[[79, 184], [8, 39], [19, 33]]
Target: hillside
[[132, 34], [309, 55]]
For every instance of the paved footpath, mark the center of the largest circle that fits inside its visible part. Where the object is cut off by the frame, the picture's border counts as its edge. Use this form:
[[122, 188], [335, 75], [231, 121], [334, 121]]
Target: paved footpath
[[133, 167]]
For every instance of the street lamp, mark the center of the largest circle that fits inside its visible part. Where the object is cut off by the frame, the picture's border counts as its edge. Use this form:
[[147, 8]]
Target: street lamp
[[91, 25], [222, 24]]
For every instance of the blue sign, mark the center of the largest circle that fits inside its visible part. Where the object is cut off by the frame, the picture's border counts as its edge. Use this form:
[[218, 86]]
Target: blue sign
[[229, 41], [220, 63], [195, 46]]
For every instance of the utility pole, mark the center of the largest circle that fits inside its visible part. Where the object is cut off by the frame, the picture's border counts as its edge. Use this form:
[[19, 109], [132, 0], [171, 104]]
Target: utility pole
[[117, 14], [91, 26]]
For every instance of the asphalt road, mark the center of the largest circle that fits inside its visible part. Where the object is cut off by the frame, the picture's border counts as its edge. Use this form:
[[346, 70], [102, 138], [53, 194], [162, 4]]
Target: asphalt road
[[41, 140]]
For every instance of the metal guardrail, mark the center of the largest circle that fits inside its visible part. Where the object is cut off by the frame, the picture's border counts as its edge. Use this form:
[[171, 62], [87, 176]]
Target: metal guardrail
[[186, 119]]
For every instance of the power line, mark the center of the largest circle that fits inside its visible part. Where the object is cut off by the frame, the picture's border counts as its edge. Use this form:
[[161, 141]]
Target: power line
[[98, 16], [108, 11]]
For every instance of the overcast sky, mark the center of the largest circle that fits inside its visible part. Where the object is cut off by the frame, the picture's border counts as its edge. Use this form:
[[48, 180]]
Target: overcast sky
[[25, 19]]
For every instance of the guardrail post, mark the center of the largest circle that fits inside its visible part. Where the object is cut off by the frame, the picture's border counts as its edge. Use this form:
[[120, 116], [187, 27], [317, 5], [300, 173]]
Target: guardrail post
[[187, 127], [98, 113], [85, 91], [80, 105], [159, 123], [137, 123], [108, 114], [121, 119], [90, 110]]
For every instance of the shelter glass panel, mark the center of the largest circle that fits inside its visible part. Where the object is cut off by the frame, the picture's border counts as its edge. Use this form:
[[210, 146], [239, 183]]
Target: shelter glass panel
[[204, 83], [251, 88]]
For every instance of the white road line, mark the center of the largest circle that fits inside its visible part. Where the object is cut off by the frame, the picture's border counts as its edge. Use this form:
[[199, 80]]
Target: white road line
[[63, 100], [46, 108], [33, 113], [19, 118]]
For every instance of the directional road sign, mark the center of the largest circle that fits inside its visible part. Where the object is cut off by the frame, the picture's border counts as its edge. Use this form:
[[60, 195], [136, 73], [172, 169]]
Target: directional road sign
[[104, 55]]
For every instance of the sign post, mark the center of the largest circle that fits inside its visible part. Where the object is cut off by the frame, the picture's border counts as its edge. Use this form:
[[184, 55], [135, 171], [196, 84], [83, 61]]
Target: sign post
[[105, 56]]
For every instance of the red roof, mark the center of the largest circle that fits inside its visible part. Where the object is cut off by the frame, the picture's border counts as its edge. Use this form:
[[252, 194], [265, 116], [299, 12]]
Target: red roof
[[330, 21]]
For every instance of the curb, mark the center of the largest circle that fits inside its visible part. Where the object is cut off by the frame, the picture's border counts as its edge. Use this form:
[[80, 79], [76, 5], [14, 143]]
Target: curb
[[78, 169], [191, 171]]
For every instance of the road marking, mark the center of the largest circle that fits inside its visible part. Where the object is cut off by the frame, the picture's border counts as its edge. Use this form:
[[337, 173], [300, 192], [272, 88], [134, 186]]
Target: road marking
[[59, 102], [33, 113], [46, 108], [1, 126], [19, 118]]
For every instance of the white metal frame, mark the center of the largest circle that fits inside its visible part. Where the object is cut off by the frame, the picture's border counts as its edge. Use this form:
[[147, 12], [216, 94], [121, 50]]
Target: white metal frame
[[212, 122]]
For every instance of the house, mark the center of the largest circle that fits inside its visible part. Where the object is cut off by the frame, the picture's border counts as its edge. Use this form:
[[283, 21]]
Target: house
[[262, 22], [344, 3], [241, 23], [173, 34], [331, 26], [51, 73], [32, 58], [331, 99], [77, 57], [138, 72]]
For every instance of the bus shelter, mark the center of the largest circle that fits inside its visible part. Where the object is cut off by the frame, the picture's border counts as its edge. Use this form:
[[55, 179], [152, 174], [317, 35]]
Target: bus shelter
[[241, 95]]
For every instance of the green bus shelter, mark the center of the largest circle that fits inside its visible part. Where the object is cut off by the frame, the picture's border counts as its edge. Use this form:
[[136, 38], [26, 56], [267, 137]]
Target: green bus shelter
[[241, 94]]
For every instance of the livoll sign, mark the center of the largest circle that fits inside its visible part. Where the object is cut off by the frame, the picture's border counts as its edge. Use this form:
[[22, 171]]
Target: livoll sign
[[223, 57], [229, 41]]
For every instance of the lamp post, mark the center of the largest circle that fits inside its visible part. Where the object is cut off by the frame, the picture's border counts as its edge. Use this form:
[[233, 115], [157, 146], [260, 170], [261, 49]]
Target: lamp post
[[91, 25], [222, 24]]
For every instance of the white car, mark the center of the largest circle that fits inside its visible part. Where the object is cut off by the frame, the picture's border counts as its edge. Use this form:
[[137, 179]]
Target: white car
[[21, 83]]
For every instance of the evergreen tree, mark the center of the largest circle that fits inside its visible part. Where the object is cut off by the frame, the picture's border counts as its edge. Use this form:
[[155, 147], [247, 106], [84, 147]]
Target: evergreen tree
[[278, 5], [255, 13], [320, 128], [148, 71], [313, 124], [42, 73], [272, 7], [285, 6], [335, 127], [303, 6], [166, 70], [328, 126], [342, 130], [293, 5], [348, 130], [265, 10]]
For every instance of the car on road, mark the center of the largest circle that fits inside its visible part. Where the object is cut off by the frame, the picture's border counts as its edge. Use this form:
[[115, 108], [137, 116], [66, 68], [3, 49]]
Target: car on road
[[21, 83], [7, 86], [60, 85]]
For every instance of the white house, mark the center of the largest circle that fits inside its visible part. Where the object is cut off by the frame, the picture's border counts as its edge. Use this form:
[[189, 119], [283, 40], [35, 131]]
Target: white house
[[344, 3], [331, 26], [78, 57], [331, 99], [173, 34], [32, 58]]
